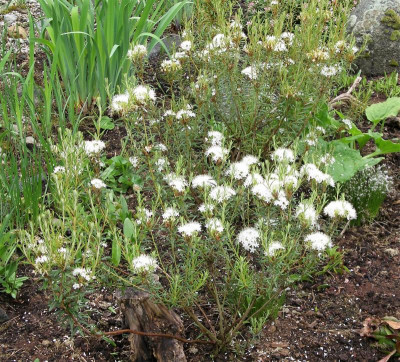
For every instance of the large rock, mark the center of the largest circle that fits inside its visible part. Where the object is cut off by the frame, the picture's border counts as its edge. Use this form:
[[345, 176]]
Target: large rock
[[378, 22]]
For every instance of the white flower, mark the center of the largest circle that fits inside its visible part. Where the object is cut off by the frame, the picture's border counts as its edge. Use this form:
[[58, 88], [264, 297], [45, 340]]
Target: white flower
[[222, 193], [169, 113], [97, 183], [189, 229], [217, 153], [144, 263], [215, 226], [273, 247], [205, 208], [250, 72], [306, 212], [41, 259], [93, 147], [170, 65], [280, 46], [318, 241], [340, 208], [185, 114], [203, 181], [161, 147], [237, 170], [249, 160], [186, 45], [329, 71], [83, 272], [253, 179], [170, 213], [139, 51], [76, 286], [262, 191], [161, 163], [119, 102], [178, 183], [58, 169], [283, 155], [313, 173], [287, 36], [281, 200], [134, 161], [248, 238], [179, 55], [215, 138], [143, 94]]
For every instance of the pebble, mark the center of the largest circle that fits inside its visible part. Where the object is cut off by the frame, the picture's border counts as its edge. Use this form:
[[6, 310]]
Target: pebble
[[16, 31], [10, 18], [392, 252]]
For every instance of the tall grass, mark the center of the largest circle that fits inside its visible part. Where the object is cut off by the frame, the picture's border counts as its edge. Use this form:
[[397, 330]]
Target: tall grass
[[89, 41]]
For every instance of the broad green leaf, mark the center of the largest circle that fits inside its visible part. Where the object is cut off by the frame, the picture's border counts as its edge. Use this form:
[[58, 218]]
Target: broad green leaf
[[348, 162], [106, 123], [386, 146], [129, 228], [380, 111]]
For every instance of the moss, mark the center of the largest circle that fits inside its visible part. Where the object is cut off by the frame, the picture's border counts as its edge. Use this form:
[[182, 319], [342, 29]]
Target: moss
[[395, 35], [391, 19], [394, 63], [12, 8]]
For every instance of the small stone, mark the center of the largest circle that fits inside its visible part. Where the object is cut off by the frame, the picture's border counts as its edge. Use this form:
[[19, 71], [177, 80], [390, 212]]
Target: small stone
[[46, 343], [30, 140], [392, 252], [3, 316], [17, 32], [10, 18]]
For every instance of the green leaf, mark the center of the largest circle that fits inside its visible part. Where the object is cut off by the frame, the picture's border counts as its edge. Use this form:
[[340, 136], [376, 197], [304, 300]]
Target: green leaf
[[129, 228], [380, 111], [116, 253], [106, 123], [348, 162], [386, 146]]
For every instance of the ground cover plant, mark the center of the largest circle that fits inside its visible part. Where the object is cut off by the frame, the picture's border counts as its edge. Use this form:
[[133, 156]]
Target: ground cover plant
[[233, 180]]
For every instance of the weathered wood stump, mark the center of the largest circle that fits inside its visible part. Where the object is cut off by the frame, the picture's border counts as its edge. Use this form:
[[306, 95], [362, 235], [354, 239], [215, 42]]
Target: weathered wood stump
[[143, 315]]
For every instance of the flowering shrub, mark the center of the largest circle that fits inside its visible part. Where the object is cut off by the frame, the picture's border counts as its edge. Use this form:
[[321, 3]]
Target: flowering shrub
[[221, 195]]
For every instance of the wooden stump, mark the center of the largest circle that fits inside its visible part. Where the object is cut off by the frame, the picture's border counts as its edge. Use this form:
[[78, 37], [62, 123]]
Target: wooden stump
[[142, 315]]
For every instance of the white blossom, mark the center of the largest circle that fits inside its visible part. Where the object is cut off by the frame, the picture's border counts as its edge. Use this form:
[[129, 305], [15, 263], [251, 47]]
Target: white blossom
[[144, 263], [340, 208], [170, 213], [143, 94], [283, 155], [273, 247], [305, 211], [97, 183], [215, 138], [203, 181], [248, 238], [217, 153], [215, 226], [237, 170], [178, 183], [94, 147], [222, 193], [190, 228], [120, 102], [318, 241]]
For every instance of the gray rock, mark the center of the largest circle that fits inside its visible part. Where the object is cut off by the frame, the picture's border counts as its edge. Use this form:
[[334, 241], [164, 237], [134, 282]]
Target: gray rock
[[3, 316], [171, 42], [378, 23], [10, 18]]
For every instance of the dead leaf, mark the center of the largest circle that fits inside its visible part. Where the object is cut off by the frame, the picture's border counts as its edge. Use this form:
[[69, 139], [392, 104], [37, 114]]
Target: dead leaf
[[395, 324], [397, 202], [369, 327]]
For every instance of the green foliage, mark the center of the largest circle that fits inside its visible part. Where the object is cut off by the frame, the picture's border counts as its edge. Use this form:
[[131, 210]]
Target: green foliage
[[119, 174], [89, 41], [9, 281]]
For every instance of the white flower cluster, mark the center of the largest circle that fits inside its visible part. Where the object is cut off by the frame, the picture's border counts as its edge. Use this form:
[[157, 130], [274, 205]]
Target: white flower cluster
[[170, 214], [318, 241], [97, 183], [249, 238], [216, 151], [203, 181], [340, 209], [189, 229], [93, 147], [176, 182], [137, 53], [214, 226], [143, 95], [307, 213], [144, 264], [313, 173]]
